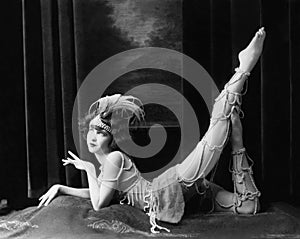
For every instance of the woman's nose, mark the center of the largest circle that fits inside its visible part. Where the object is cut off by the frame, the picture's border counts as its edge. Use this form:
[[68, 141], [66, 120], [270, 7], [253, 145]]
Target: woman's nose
[[93, 136], [94, 139]]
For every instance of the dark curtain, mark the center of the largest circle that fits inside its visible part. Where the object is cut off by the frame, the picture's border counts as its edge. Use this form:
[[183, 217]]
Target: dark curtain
[[51, 46]]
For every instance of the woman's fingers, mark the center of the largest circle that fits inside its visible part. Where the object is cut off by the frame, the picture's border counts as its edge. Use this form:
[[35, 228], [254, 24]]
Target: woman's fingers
[[67, 161], [73, 155], [49, 199], [76, 161], [43, 200], [46, 198], [40, 204]]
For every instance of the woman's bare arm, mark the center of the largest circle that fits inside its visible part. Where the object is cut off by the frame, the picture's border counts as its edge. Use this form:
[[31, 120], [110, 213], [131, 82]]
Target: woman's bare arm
[[77, 192], [100, 193], [94, 190], [111, 172], [61, 189]]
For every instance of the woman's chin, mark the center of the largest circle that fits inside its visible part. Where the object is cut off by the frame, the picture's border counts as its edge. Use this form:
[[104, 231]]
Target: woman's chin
[[96, 150], [92, 150]]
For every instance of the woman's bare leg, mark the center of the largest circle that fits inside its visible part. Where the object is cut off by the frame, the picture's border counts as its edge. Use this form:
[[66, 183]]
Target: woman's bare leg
[[207, 152], [245, 197]]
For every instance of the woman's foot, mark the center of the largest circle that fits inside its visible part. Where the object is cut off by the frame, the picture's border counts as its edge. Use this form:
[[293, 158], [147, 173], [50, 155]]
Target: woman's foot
[[249, 56]]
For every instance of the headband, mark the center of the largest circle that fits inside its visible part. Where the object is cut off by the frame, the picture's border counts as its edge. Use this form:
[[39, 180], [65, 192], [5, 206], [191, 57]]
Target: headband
[[102, 125], [125, 106]]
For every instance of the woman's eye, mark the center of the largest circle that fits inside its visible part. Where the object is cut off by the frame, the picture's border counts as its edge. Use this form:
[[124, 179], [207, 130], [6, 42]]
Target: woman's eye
[[101, 132]]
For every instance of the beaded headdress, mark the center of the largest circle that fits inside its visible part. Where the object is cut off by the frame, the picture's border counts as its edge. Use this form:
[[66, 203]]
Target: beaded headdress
[[119, 106]]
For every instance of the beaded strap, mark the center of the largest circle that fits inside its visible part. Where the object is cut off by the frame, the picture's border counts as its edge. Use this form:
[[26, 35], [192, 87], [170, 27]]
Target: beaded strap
[[236, 100], [239, 177], [238, 70]]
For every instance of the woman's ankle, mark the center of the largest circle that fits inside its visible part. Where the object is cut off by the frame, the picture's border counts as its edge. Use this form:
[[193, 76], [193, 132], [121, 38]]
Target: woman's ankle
[[240, 160], [237, 147]]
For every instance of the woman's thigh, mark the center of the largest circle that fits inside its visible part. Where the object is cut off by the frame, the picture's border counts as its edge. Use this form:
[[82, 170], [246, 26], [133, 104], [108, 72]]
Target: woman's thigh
[[198, 163]]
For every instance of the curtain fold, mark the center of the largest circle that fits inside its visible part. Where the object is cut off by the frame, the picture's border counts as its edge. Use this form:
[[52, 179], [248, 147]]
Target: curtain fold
[[52, 91], [242, 30], [276, 87], [294, 24], [34, 98], [64, 40], [12, 122], [69, 84]]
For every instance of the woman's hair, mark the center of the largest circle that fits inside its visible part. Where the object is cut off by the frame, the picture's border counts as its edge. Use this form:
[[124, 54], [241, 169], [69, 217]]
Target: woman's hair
[[122, 116]]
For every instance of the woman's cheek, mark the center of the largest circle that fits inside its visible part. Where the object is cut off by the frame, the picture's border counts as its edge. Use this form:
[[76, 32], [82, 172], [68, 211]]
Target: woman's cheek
[[109, 141]]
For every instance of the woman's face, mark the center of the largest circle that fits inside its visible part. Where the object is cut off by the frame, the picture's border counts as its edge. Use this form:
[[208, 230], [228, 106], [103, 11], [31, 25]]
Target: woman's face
[[98, 139]]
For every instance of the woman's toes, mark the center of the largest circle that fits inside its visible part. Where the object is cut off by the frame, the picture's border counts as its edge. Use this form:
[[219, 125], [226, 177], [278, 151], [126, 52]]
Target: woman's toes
[[260, 33]]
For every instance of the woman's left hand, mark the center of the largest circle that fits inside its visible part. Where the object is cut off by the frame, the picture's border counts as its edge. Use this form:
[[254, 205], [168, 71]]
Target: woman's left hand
[[78, 163], [48, 197]]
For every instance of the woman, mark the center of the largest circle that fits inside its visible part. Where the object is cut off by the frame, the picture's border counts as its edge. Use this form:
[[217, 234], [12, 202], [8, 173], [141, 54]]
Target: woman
[[165, 196]]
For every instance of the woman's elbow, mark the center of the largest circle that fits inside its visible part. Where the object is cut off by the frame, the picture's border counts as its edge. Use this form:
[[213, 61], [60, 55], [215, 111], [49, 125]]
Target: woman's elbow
[[97, 209], [99, 205], [96, 206]]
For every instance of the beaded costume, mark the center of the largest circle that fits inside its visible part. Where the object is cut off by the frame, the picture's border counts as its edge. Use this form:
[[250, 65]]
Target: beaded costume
[[163, 198]]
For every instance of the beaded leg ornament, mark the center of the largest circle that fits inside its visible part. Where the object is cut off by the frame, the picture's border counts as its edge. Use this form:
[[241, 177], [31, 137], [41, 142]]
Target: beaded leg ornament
[[238, 176], [233, 99]]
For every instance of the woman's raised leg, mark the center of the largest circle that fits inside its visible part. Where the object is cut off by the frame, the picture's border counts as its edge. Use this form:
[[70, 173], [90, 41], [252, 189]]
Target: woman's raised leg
[[207, 152]]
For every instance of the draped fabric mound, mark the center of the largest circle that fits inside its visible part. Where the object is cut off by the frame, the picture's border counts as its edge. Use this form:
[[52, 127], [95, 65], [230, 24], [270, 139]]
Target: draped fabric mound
[[73, 217]]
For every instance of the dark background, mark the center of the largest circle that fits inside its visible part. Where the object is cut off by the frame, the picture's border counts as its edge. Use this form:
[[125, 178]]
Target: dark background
[[48, 47]]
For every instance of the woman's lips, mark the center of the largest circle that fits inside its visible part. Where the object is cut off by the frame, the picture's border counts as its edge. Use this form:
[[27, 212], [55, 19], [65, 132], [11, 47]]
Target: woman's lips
[[92, 145]]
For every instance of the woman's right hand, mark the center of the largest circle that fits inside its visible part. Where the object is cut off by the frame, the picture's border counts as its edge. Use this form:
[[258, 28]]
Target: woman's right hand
[[79, 163], [48, 196]]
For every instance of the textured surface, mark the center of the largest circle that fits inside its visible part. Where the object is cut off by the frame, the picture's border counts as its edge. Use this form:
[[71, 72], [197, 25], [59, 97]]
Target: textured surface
[[70, 217]]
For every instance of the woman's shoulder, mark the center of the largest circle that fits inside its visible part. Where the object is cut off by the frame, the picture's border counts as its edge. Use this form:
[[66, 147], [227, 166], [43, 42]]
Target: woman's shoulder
[[128, 162], [115, 157], [119, 156], [115, 153]]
